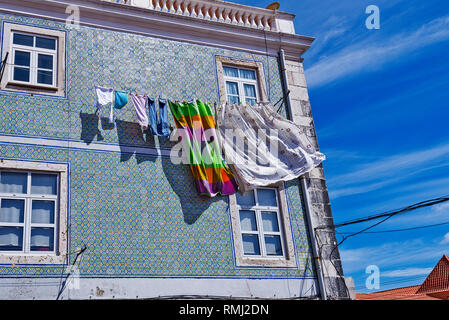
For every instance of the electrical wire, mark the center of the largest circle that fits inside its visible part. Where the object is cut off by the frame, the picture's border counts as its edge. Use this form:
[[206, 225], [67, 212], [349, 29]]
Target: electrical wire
[[404, 229], [386, 216], [389, 214], [63, 283], [396, 281]]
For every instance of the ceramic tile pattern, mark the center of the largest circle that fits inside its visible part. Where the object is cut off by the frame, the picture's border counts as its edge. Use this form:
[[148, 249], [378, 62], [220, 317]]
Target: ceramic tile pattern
[[139, 215]]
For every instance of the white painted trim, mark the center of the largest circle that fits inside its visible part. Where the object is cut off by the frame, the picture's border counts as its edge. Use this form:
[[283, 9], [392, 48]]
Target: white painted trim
[[48, 142], [141, 288]]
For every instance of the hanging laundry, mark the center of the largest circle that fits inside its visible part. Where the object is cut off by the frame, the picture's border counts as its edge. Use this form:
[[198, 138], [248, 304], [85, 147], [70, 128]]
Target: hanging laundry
[[139, 102], [261, 147], [120, 99], [104, 98], [158, 124], [196, 128]]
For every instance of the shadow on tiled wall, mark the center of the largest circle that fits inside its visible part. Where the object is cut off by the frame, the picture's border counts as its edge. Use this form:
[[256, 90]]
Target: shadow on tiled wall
[[89, 127], [131, 137], [181, 181]]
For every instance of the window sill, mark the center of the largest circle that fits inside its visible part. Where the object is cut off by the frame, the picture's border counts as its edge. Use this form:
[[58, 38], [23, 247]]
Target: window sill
[[33, 89], [19, 258], [265, 262], [30, 85]]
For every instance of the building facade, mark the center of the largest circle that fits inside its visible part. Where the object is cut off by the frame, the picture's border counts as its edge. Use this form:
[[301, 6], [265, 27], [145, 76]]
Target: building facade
[[92, 209]]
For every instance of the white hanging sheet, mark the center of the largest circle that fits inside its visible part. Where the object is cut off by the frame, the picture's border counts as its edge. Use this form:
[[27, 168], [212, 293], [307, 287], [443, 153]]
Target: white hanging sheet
[[261, 147]]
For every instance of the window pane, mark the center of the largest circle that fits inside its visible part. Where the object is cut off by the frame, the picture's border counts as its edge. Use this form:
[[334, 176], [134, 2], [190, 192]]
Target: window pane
[[45, 61], [267, 197], [273, 245], [250, 91], [247, 199], [270, 221], [22, 74], [43, 212], [13, 182], [231, 72], [23, 39], [11, 238], [46, 43], [247, 74], [12, 210], [45, 77], [250, 101], [248, 220], [250, 244], [42, 183], [233, 100], [232, 88], [42, 239], [22, 58]]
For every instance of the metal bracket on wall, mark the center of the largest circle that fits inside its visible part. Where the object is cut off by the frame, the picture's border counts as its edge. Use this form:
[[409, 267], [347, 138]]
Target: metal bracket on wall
[[3, 66], [283, 99]]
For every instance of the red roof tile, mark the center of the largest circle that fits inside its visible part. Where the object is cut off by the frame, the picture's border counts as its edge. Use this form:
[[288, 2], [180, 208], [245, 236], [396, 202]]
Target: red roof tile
[[438, 279], [435, 287]]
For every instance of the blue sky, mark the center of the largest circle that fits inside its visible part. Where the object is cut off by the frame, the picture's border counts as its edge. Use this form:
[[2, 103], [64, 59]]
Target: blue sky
[[380, 100]]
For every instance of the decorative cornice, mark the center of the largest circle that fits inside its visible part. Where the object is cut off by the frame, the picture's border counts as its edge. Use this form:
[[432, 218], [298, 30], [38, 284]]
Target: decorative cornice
[[170, 25]]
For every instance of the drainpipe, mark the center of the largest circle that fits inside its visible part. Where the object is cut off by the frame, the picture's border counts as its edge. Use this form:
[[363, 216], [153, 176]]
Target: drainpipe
[[316, 257], [284, 80]]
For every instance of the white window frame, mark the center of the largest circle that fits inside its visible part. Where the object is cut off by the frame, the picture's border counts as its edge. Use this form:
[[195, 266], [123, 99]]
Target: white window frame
[[258, 209], [26, 256], [57, 87], [241, 84], [27, 224], [288, 254], [34, 53]]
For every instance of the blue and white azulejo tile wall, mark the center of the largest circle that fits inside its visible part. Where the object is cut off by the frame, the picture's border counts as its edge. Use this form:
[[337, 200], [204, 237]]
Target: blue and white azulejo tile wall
[[138, 214]]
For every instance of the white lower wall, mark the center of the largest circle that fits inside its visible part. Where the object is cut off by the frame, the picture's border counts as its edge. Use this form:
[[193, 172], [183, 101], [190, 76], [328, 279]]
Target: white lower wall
[[126, 288]]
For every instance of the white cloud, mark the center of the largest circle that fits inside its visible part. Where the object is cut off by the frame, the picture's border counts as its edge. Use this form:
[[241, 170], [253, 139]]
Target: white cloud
[[368, 56], [386, 171], [445, 239], [441, 207], [392, 254], [408, 272]]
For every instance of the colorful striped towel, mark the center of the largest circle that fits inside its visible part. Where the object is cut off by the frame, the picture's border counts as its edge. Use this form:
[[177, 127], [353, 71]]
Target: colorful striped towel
[[195, 122]]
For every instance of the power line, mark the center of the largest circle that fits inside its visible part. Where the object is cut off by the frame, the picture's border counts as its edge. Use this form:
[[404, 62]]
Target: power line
[[62, 284], [389, 214], [386, 216], [404, 229], [414, 279]]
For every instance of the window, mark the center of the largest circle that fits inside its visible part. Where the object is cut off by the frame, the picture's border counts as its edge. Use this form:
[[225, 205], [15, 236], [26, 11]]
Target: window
[[260, 224], [28, 211], [241, 81], [35, 59], [261, 228], [241, 85], [32, 210]]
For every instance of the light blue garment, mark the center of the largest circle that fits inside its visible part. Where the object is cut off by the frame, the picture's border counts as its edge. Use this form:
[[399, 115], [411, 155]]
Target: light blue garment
[[121, 99]]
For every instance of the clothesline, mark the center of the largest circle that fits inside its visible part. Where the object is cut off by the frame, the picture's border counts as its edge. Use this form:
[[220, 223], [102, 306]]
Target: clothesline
[[164, 97], [117, 99]]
